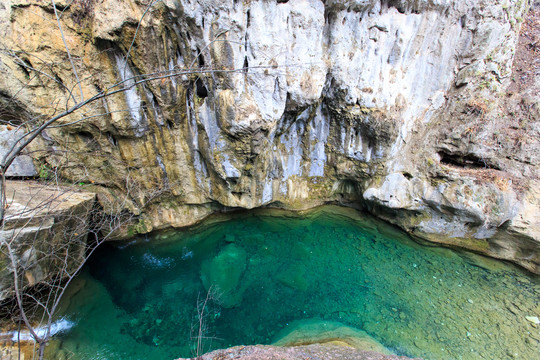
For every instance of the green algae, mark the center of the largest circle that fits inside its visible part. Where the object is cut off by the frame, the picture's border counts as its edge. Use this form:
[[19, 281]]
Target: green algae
[[143, 300]]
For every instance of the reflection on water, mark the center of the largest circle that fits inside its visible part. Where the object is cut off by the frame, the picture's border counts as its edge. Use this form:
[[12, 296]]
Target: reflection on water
[[266, 270]]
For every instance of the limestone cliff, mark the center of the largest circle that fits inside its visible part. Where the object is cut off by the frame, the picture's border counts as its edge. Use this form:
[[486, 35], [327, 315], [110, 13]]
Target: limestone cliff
[[400, 107]]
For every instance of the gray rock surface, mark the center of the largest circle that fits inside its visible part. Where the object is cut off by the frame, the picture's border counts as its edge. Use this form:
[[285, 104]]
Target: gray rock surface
[[315, 352], [23, 165]]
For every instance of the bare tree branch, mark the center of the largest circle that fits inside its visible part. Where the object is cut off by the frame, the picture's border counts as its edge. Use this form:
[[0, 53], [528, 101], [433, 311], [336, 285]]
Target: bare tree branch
[[67, 50]]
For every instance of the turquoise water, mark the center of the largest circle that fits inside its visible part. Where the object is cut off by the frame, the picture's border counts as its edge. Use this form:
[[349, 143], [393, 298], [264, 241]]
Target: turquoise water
[[265, 270]]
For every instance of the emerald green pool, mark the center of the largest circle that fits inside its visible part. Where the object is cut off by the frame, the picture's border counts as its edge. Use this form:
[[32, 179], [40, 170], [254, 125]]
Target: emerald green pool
[[267, 269]]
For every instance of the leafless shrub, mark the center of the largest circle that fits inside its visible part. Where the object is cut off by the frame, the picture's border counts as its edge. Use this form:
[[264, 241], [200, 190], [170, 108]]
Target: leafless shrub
[[200, 327]]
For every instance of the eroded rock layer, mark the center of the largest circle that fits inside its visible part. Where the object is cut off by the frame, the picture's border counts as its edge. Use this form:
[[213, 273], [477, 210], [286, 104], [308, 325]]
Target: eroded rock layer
[[399, 107], [43, 236]]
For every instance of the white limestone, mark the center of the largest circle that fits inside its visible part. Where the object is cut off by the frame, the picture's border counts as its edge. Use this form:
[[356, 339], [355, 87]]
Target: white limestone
[[133, 100], [318, 134]]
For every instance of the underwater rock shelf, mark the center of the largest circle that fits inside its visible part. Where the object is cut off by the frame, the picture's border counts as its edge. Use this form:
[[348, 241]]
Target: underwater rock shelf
[[265, 271]]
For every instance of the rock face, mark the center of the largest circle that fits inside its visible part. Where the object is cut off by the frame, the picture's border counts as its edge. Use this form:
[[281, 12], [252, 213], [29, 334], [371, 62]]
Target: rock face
[[315, 351], [43, 227], [399, 107], [23, 165]]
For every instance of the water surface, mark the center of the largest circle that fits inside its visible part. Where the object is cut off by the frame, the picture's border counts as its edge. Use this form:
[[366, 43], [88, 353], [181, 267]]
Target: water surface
[[140, 300]]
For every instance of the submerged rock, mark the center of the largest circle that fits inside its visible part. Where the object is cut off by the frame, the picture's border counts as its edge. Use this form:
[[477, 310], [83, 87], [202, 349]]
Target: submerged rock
[[294, 277], [313, 331], [222, 275]]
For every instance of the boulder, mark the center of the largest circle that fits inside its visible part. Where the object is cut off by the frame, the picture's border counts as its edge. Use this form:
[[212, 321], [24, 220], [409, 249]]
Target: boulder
[[222, 275], [314, 351], [42, 225]]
